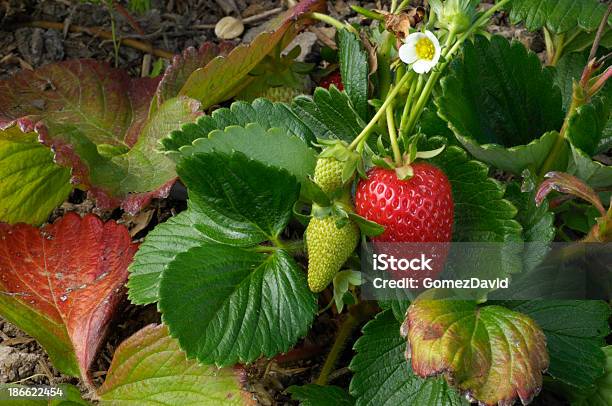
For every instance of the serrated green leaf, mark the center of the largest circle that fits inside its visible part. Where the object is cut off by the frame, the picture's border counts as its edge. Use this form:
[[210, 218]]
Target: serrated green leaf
[[481, 212], [494, 354], [585, 131], [537, 223], [354, 70], [575, 332], [149, 369], [558, 16], [31, 184], [226, 304], [273, 147], [329, 114], [243, 202], [382, 376], [602, 396], [159, 248], [225, 298], [261, 111], [319, 395], [499, 101]]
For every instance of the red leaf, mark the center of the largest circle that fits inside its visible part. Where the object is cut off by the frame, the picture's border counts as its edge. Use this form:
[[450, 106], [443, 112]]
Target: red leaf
[[63, 283]]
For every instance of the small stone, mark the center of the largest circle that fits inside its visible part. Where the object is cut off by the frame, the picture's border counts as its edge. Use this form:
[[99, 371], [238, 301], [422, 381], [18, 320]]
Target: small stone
[[229, 28]]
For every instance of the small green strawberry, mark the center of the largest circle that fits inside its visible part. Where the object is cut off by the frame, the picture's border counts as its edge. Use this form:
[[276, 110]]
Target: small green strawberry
[[328, 249], [281, 94], [328, 174]]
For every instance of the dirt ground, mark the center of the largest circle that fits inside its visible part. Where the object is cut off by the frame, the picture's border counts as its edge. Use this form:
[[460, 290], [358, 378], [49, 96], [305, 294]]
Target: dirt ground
[[170, 26]]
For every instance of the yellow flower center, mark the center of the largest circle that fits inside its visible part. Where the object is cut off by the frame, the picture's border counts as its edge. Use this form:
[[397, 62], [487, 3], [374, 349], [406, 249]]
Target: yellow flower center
[[425, 49]]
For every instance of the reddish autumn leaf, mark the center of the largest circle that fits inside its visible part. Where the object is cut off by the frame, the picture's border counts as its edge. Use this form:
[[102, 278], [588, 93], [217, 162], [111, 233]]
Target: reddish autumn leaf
[[96, 121], [185, 64], [490, 353], [62, 284]]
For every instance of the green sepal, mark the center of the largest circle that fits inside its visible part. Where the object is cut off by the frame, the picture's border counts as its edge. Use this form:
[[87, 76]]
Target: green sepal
[[367, 227], [404, 172]]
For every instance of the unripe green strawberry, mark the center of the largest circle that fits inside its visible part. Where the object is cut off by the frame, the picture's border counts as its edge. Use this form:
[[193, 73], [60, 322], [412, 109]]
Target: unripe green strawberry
[[281, 94], [328, 249], [328, 174]]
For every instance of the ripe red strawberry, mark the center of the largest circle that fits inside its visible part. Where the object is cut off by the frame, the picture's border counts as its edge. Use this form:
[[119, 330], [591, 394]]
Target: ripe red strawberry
[[419, 209], [333, 78]]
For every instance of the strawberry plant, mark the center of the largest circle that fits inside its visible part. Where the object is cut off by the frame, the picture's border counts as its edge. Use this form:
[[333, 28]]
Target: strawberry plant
[[426, 129]]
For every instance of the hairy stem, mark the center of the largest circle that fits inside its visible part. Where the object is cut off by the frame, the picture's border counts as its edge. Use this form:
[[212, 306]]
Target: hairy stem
[[368, 128], [397, 155], [357, 314]]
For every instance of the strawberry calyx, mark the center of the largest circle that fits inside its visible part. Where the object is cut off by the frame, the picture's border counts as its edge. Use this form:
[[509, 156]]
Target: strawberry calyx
[[340, 151], [403, 167]]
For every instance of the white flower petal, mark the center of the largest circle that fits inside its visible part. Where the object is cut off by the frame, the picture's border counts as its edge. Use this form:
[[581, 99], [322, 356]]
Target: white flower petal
[[407, 53], [422, 66], [413, 38], [433, 39], [438, 49]]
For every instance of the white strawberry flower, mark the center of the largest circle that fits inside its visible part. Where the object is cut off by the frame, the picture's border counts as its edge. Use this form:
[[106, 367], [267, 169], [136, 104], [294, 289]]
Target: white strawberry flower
[[421, 50]]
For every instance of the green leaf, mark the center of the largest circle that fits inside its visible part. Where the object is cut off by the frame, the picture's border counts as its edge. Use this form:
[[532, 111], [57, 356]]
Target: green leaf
[[381, 375], [537, 223], [501, 104], [329, 114], [481, 212], [149, 369], [159, 248], [354, 70], [494, 354], [240, 113], [225, 298], [89, 134], [243, 202], [575, 331], [585, 131], [602, 396], [71, 394], [31, 184], [274, 147], [558, 16], [223, 77], [227, 304], [318, 395]]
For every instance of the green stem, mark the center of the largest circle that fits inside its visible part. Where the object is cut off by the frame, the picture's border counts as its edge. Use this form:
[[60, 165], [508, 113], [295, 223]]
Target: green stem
[[559, 146], [384, 64], [402, 6], [417, 88], [449, 51], [368, 13], [344, 333], [397, 155], [559, 46], [368, 128], [408, 104], [550, 45], [339, 25], [357, 314], [293, 247]]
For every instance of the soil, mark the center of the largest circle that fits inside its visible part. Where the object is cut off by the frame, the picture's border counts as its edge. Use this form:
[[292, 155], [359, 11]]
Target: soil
[[172, 26]]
